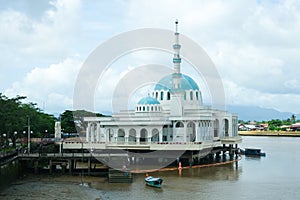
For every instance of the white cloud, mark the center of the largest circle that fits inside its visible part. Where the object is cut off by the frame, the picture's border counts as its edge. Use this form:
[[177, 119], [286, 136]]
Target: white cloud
[[255, 45], [238, 95], [51, 87]]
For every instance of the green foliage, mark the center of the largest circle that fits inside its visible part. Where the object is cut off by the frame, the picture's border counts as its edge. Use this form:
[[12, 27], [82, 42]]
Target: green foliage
[[274, 124], [72, 121], [14, 115]]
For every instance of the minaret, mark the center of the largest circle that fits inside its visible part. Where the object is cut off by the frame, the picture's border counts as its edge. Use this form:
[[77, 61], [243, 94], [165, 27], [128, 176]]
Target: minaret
[[176, 60]]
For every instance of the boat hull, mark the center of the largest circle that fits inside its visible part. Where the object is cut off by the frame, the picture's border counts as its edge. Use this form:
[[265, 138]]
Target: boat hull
[[153, 182]]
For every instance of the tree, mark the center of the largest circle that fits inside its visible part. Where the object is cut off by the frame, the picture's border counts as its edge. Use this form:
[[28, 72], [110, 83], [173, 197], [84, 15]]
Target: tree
[[73, 121], [293, 119], [14, 119], [274, 124]]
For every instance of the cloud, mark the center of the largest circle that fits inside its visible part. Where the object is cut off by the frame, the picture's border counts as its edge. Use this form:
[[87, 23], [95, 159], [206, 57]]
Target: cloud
[[49, 35], [51, 87], [254, 44], [239, 95]]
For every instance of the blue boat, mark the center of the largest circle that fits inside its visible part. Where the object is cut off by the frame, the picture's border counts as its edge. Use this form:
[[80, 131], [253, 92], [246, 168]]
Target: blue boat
[[252, 152], [154, 182]]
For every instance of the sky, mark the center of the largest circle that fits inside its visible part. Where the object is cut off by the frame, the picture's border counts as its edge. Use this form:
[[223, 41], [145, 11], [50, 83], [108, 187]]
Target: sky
[[254, 45]]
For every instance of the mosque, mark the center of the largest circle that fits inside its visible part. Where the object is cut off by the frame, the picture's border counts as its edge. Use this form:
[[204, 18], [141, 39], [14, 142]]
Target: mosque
[[171, 118]]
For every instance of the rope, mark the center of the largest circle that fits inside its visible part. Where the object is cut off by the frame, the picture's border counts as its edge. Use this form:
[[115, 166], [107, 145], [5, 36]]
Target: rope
[[186, 167]]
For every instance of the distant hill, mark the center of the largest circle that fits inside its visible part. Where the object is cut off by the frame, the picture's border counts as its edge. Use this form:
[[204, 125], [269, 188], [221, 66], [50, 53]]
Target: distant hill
[[259, 114]]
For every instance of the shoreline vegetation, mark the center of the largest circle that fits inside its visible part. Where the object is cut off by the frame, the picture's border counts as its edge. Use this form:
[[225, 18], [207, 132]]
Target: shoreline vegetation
[[270, 133]]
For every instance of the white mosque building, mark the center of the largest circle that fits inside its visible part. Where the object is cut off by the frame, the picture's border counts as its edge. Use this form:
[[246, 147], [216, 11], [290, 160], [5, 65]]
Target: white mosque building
[[173, 117]]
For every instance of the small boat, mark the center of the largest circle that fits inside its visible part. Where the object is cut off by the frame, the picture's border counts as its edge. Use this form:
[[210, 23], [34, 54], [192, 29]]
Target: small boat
[[252, 152], [154, 182]]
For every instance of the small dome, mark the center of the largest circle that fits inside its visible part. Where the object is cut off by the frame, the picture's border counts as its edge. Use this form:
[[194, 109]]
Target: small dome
[[166, 83], [148, 101]]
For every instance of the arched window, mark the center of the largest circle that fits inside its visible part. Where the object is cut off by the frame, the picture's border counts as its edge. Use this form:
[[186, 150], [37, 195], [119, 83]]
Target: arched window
[[168, 96], [191, 95], [197, 95], [143, 108], [184, 96], [161, 95], [147, 108], [179, 124], [156, 95]]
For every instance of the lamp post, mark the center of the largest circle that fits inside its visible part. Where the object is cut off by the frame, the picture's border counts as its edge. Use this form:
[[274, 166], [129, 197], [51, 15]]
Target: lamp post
[[15, 137], [28, 136], [4, 136]]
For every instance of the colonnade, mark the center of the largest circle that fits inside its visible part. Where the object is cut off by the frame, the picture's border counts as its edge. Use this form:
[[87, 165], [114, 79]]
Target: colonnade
[[181, 131]]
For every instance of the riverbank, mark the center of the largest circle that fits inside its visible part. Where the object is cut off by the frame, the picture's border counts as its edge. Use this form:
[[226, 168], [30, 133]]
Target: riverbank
[[51, 187], [270, 133]]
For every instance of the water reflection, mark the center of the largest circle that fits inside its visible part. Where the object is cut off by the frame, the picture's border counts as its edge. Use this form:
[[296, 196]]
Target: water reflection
[[273, 177]]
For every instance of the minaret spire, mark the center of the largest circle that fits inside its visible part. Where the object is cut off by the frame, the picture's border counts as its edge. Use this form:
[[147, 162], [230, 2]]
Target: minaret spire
[[176, 47]]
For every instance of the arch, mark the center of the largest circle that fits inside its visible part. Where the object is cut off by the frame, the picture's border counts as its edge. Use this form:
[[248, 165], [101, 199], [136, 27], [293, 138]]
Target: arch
[[143, 135], [110, 134], [191, 131], [168, 95], [216, 128], [226, 127], [132, 135], [121, 135], [155, 135], [179, 125]]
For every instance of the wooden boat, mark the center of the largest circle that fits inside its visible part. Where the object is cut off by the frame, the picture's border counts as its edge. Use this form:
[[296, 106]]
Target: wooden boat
[[154, 182], [252, 152]]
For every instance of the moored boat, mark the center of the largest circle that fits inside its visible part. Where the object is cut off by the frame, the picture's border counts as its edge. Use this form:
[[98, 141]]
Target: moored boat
[[252, 152], [154, 182]]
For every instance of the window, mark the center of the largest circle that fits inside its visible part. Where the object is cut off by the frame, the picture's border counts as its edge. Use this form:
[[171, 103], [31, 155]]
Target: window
[[168, 96], [161, 95], [191, 95], [184, 96], [197, 96]]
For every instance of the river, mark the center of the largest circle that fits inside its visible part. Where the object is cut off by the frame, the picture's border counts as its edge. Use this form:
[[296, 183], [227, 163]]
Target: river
[[275, 176]]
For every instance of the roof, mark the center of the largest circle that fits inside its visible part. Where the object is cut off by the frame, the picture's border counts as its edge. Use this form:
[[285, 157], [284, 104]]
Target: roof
[[166, 83], [148, 101]]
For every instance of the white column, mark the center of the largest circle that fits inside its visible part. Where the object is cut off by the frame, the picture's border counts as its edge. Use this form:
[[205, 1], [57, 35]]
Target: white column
[[149, 135], [126, 135], [88, 132], [160, 135], [184, 131], [196, 129], [98, 132], [138, 136], [202, 130], [92, 132], [116, 135], [230, 127]]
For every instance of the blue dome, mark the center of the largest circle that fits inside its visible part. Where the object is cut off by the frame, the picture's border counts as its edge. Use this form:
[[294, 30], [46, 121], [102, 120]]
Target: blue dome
[[148, 100], [166, 83]]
